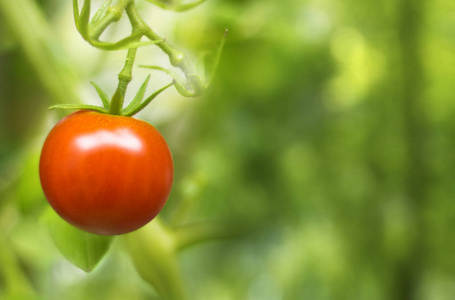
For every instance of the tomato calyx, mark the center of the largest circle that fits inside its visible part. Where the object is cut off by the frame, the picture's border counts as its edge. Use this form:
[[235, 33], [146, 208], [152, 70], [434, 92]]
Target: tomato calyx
[[136, 105]]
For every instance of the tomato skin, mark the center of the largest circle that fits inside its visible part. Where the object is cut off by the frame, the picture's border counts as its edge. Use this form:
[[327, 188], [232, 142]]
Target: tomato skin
[[106, 174]]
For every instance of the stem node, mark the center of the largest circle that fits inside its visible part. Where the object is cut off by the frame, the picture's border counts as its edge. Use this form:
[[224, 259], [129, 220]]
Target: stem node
[[176, 58], [125, 78], [116, 13]]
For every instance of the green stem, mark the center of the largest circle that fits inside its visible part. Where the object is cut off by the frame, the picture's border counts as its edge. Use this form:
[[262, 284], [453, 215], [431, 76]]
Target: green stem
[[114, 14], [140, 29], [176, 57], [124, 78], [126, 75], [135, 18]]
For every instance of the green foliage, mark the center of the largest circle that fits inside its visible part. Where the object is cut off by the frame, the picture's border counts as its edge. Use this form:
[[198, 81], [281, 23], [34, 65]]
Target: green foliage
[[81, 248], [326, 137]]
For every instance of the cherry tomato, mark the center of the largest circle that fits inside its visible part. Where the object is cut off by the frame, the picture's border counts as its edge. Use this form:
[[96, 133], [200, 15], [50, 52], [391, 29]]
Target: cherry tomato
[[106, 174]]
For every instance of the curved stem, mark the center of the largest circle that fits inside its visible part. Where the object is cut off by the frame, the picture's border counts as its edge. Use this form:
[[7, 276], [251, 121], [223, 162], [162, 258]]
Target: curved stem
[[113, 15], [105, 16], [176, 57]]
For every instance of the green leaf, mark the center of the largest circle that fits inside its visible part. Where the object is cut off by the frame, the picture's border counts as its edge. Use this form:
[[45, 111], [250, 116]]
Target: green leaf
[[101, 12], [103, 96], [139, 96], [82, 249], [146, 102], [78, 106]]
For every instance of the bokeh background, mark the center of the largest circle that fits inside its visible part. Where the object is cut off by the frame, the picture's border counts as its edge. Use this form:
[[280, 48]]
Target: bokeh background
[[327, 135]]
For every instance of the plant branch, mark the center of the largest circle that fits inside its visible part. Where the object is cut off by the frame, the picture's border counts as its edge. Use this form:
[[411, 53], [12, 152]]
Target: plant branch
[[113, 14], [124, 78], [126, 75], [176, 57]]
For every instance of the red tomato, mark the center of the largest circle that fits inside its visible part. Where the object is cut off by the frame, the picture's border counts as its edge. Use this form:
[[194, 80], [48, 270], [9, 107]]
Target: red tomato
[[106, 174]]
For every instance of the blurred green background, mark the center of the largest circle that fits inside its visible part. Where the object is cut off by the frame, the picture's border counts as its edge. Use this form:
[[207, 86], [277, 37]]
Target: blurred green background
[[328, 135]]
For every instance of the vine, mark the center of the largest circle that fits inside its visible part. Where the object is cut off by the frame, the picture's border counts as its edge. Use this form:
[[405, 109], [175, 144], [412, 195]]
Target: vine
[[91, 30]]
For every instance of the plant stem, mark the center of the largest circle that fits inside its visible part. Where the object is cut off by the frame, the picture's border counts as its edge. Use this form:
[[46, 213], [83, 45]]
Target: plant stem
[[126, 75], [124, 78], [114, 14], [176, 57], [152, 251], [139, 29]]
